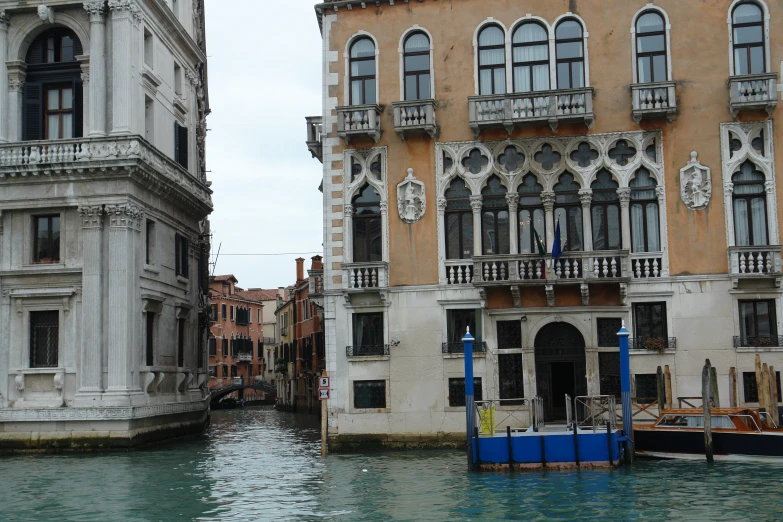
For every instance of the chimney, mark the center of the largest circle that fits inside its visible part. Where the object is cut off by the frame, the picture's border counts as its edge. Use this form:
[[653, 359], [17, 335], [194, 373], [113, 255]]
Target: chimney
[[299, 269], [317, 263]]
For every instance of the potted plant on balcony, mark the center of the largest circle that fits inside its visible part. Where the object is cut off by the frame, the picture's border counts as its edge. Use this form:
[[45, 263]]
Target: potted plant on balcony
[[654, 344], [760, 342]]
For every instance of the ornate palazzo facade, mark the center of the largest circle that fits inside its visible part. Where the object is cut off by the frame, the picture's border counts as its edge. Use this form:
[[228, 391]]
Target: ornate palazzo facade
[[103, 223]]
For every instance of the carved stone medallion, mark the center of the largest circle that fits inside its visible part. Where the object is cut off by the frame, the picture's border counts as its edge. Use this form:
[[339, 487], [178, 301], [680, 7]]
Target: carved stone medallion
[[411, 203], [695, 185]]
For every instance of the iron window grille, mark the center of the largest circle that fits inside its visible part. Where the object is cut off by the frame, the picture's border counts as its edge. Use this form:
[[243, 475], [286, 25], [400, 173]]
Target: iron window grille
[[509, 334], [457, 391], [44, 339], [46, 239], [367, 350], [654, 344], [646, 388], [369, 394], [510, 376], [609, 373], [750, 385], [607, 332]]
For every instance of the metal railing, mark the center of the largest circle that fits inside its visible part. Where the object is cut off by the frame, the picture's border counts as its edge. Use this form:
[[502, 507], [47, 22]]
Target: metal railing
[[459, 347], [367, 350], [518, 414], [652, 344], [758, 341], [596, 411]]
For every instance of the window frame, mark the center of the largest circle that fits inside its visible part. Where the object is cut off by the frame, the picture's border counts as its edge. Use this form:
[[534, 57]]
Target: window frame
[[454, 382], [773, 322], [495, 211], [364, 220], [664, 319], [461, 213], [567, 207], [547, 62], [531, 209], [583, 59], [61, 112], [35, 259], [381, 317], [181, 247], [149, 338], [748, 198], [603, 207], [31, 361], [404, 73], [666, 42], [644, 204], [385, 406], [764, 24], [480, 67], [363, 78]]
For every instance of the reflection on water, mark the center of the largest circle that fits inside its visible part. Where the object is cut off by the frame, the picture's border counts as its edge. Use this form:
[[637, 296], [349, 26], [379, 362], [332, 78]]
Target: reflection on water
[[258, 464]]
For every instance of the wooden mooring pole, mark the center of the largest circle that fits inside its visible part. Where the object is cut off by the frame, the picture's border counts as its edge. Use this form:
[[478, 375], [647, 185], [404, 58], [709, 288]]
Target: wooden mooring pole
[[661, 389], [733, 387], [764, 390], [706, 393], [668, 382], [714, 386], [759, 384], [773, 391]]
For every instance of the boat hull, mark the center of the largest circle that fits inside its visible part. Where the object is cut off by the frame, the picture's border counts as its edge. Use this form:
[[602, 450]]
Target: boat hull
[[689, 444]]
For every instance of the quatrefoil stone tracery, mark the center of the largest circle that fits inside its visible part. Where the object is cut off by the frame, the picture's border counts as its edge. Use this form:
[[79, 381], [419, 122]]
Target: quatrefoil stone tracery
[[622, 152], [584, 155], [475, 161], [547, 157], [511, 159]]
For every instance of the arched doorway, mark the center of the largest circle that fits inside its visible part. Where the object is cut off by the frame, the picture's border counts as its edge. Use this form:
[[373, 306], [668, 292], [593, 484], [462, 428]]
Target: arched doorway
[[560, 367]]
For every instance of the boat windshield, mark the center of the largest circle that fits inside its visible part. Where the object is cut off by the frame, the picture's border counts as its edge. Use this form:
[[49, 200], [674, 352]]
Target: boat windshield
[[696, 421]]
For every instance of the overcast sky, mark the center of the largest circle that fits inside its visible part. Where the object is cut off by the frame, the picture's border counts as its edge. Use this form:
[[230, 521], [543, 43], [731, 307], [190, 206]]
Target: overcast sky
[[264, 78]]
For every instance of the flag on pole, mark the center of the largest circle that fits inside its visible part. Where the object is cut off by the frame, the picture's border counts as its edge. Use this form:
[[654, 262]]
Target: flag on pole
[[556, 248], [539, 243]]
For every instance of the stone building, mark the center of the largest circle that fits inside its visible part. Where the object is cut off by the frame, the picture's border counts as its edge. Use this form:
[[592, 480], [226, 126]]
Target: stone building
[[236, 332], [103, 222], [285, 353], [460, 139]]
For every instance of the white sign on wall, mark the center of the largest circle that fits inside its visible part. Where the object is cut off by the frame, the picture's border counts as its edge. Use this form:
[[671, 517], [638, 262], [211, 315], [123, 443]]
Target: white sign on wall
[[324, 382], [323, 394]]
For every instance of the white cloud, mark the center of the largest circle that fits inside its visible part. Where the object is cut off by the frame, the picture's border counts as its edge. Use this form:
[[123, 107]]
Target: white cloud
[[264, 78]]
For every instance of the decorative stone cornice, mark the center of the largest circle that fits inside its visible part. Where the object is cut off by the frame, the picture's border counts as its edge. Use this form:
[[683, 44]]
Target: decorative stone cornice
[[92, 217], [476, 203], [125, 216], [95, 10], [128, 7]]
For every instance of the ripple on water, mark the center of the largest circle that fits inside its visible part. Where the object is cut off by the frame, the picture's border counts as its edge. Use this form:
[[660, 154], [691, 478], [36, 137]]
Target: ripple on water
[[258, 464]]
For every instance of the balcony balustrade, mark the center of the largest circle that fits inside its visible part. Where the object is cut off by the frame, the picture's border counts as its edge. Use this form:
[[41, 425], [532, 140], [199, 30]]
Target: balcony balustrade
[[417, 116], [244, 357], [755, 262], [753, 92], [375, 350], [459, 271], [366, 276], [314, 136], [653, 100], [550, 107], [645, 265], [359, 121]]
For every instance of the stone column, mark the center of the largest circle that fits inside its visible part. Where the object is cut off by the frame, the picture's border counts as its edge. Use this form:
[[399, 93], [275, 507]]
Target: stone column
[[476, 203], [3, 76], [660, 192], [17, 73], [97, 85], [442, 254], [348, 233], [513, 201], [625, 216], [91, 359], [586, 197], [548, 198], [84, 64], [122, 15], [385, 255], [124, 226]]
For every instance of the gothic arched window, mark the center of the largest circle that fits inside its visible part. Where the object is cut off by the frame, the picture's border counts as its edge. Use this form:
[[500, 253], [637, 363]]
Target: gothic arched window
[[645, 223], [492, 60], [605, 213], [367, 226], [530, 56], [570, 53], [416, 63], [747, 29], [495, 226], [568, 212], [750, 206], [459, 221], [531, 215], [362, 65]]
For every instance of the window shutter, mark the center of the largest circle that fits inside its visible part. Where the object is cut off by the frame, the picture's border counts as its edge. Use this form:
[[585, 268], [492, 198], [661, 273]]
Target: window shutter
[[33, 111], [181, 145], [78, 108]]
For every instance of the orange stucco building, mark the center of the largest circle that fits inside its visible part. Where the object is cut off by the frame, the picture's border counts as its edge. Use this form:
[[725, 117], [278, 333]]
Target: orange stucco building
[[461, 139]]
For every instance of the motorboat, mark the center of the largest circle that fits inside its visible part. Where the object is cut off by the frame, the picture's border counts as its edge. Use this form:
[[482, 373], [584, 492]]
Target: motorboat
[[738, 434]]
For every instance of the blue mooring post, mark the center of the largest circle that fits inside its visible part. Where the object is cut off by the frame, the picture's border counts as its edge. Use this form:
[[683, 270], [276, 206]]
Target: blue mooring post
[[470, 406], [625, 389]]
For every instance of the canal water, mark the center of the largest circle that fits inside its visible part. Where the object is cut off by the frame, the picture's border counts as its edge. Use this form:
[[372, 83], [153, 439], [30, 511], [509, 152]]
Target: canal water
[[259, 464]]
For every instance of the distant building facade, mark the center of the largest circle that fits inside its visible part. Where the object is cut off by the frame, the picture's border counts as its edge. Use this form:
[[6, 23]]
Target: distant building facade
[[104, 237], [460, 141]]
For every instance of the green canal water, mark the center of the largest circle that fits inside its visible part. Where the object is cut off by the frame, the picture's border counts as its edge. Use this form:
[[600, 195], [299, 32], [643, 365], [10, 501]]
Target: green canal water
[[258, 464]]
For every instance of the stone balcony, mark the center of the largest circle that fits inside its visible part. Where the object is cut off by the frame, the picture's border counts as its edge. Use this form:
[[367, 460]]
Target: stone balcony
[[359, 121], [653, 100], [753, 92], [754, 262], [542, 107], [358, 277], [415, 117], [55, 159], [314, 136], [244, 357]]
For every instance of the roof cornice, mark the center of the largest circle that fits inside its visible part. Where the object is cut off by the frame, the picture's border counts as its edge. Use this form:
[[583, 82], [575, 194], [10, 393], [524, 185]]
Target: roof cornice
[[335, 5]]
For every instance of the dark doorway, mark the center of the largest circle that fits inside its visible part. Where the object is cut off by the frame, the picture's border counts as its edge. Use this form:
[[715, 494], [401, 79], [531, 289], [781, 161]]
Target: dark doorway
[[560, 367]]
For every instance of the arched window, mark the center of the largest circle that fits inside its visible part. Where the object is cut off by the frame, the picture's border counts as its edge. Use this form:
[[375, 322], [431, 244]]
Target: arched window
[[569, 50], [747, 29], [367, 226], [530, 55], [417, 67], [531, 216], [492, 60], [568, 212], [459, 221], [645, 229], [53, 97], [605, 213], [651, 48], [750, 206], [363, 72], [495, 226]]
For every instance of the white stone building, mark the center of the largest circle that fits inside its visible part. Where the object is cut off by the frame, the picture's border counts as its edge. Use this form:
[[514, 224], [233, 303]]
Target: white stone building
[[103, 222]]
